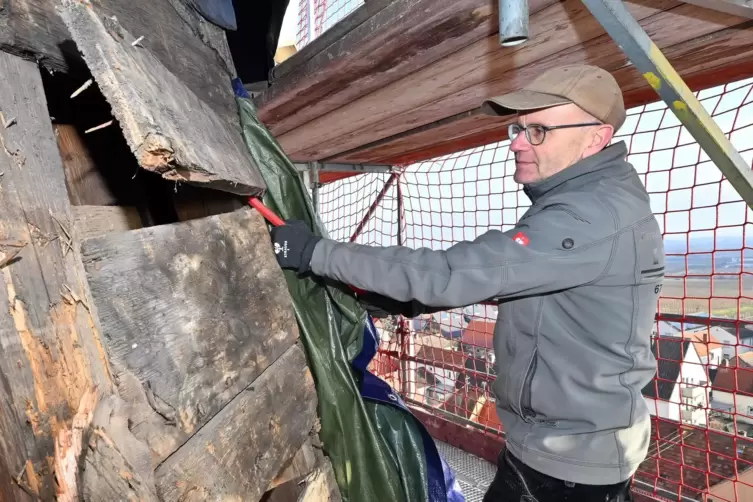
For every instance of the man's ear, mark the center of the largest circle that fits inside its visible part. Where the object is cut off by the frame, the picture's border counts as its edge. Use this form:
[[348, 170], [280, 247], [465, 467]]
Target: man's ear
[[601, 138]]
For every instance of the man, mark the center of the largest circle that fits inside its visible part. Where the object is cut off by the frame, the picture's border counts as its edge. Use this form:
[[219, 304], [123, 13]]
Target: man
[[577, 281]]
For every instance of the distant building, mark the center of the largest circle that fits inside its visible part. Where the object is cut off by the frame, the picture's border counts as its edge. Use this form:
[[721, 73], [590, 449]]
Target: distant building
[[732, 389], [731, 345], [679, 390], [709, 348], [664, 328], [736, 339]]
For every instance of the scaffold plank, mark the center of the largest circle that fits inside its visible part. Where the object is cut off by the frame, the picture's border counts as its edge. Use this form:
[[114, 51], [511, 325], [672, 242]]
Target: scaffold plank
[[721, 57], [736, 7], [395, 42], [564, 33]]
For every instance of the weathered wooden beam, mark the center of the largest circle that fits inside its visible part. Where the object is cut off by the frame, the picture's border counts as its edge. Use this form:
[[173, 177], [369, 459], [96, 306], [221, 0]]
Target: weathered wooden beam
[[330, 37], [192, 313], [86, 183], [91, 221], [243, 447], [169, 129], [458, 82], [50, 349], [452, 86], [395, 41], [191, 202], [192, 48], [116, 465], [299, 466], [704, 62], [737, 7]]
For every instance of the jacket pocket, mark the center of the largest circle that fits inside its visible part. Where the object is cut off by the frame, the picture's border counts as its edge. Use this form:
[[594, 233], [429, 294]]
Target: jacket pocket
[[525, 392], [527, 411]]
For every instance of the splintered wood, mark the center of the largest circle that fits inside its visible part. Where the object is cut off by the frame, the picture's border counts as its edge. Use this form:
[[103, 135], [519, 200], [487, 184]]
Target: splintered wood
[[51, 355], [192, 312], [169, 129]]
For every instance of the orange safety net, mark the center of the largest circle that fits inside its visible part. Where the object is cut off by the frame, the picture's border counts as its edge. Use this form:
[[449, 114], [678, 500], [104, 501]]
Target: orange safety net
[[702, 395]]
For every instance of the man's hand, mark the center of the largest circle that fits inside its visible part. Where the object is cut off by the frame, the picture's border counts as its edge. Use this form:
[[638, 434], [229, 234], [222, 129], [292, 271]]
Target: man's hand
[[380, 306], [294, 245]]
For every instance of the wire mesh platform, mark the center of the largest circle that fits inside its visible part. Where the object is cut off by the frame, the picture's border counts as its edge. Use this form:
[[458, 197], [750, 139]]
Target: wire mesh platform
[[474, 474]]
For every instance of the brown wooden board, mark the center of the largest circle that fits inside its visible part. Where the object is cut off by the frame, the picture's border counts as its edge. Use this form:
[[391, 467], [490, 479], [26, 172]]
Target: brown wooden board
[[238, 453], [562, 33], [330, 37], [191, 313], [396, 41], [169, 129], [86, 185], [724, 56], [91, 221], [192, 48], [50, 347], [192, 202], [114, 464], [462, 82]]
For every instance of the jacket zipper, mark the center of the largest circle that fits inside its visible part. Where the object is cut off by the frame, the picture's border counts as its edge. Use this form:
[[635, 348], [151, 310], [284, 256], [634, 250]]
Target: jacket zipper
[[525, 394], [527, 412]]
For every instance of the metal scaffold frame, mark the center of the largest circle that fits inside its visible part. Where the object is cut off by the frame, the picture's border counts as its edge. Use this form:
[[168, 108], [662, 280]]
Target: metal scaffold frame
[[657, 70]]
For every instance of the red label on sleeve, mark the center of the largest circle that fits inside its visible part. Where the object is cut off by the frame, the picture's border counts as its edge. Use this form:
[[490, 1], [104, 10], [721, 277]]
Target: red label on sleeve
[[521, 239]]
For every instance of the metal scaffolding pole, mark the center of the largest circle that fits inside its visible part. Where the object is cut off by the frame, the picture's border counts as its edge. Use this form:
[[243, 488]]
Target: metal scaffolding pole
[[649, 60], [314, 173]]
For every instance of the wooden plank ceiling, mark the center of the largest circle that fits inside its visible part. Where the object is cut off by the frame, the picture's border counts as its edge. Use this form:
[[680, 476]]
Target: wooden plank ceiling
[[402, 81]]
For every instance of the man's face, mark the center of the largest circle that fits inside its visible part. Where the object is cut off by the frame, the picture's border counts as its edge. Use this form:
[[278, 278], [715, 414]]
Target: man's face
[[561, 148]]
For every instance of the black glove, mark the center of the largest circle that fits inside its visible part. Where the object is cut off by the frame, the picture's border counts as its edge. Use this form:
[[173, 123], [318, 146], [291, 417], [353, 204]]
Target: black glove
[[294, 245], [380, 306]]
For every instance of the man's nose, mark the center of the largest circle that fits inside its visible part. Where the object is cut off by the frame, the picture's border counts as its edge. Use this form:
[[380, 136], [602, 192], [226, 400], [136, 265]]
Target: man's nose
[[520, 143]]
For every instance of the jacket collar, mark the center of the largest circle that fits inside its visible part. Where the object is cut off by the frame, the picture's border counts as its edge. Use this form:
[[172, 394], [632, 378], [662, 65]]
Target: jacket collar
[[613, 155]]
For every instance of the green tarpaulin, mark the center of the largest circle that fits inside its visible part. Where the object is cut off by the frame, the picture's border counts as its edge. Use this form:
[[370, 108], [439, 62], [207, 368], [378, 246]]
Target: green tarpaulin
[[377, 450]]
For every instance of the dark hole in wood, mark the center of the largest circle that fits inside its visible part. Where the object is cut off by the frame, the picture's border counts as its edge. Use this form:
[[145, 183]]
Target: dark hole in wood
[[100, 168]]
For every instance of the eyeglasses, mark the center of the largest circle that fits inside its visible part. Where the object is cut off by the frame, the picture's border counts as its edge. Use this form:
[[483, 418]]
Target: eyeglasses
[[536, 133]]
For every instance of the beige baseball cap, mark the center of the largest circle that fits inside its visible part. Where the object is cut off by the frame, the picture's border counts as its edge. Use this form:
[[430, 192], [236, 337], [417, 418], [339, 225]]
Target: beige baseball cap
[[591, 88]]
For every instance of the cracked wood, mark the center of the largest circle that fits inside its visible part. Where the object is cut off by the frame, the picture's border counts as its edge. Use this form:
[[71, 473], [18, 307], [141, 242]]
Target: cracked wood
[[191, 314], [192, 48], [237, 454], [168, 128], [50, 351]]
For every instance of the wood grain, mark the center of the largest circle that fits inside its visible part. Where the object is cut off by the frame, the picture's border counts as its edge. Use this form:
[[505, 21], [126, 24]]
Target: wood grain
[[337, 31], [460, 82], [238, 453], [85, 182], [91, 221], [50, 348], [190, 47], [169, 129], [300, 465], [719, 58], [397, 40], [191, 202], [553, 29], [192, 313], [117, 466]]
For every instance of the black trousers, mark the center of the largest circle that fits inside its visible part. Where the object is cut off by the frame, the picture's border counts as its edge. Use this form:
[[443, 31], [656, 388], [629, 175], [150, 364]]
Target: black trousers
[[516, 482]]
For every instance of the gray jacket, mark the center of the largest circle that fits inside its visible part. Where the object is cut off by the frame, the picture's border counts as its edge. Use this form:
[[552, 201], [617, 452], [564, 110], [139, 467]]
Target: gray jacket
[[577, 280]]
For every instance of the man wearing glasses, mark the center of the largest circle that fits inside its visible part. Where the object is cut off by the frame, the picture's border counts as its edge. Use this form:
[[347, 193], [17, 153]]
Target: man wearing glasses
[[577, 281]]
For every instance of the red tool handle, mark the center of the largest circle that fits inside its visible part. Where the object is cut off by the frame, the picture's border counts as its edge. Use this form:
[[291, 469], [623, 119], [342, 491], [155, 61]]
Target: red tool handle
[[275, 220], [268, 214]]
